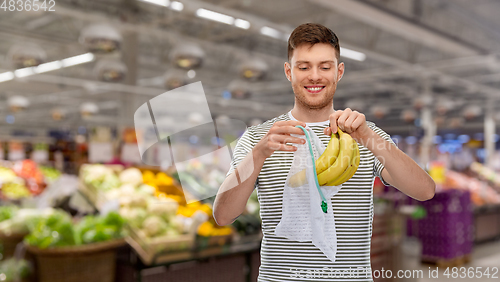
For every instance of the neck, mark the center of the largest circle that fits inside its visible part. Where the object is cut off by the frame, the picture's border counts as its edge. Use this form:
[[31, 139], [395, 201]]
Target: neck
[[305, 114]]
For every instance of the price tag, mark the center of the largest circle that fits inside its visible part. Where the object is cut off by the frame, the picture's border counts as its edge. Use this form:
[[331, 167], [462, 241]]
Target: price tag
[[16, 155], [130, 154], [40, 156], [100, 152]]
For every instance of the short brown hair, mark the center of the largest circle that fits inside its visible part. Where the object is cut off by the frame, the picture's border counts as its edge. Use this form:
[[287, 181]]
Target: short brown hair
[[312, 33]]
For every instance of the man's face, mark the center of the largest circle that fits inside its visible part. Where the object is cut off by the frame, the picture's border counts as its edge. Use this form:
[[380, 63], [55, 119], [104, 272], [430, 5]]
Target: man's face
[[314, 73]]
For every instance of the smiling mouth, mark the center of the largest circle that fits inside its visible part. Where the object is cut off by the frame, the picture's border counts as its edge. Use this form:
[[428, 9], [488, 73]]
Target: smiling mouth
[[314, 89]]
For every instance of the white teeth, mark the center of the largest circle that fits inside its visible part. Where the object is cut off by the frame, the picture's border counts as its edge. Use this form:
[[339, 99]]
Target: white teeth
[[314, 88]]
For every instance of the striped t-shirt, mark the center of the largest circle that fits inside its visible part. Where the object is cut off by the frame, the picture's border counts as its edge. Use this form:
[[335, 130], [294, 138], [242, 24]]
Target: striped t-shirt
[[286, 260]]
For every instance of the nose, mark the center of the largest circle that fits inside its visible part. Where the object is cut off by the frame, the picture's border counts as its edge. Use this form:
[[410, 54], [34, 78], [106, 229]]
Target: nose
[[314, 75]]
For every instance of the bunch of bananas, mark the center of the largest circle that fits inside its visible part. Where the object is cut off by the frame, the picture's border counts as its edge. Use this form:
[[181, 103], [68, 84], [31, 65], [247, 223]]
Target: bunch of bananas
[[336, 165]]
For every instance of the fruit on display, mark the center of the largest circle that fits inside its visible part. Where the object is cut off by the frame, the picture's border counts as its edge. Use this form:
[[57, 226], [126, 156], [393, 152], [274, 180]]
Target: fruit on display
[[481, 193], [338, 163], [15, 190], [190, 209], [28, 169], [208, 229], [7, 175], [22, 180]]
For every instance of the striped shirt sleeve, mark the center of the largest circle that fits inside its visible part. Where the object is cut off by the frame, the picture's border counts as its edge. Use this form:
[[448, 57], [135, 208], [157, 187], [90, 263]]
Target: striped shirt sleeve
[[243, 146], [379, 166]]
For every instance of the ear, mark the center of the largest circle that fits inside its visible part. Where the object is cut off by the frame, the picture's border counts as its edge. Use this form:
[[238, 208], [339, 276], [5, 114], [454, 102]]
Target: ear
[[341, 69], [288, 71]]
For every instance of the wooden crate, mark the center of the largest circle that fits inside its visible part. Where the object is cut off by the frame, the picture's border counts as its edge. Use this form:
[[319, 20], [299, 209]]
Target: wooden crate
[[149, 249]]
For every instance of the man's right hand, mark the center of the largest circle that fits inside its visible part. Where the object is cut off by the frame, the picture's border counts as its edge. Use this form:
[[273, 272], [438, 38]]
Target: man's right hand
[[277, 137]]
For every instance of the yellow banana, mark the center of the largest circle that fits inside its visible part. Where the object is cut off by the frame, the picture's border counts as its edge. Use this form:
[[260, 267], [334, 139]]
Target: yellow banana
[[322, 163], [353, 167], [329, 155], [342, 162], [298, 179]]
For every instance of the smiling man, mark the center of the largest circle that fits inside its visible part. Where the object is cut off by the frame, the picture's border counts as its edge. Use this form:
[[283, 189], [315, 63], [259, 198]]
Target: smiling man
[[263, 157]]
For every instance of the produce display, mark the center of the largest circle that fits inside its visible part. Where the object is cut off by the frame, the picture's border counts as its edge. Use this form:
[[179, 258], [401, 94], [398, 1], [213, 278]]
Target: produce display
[[100, 177], [24, 179], [144, 201], [486, 173], [20, 221], [156, 213], [336, 165], [51, 174], [480, 192], [29, 171], [58, 230]]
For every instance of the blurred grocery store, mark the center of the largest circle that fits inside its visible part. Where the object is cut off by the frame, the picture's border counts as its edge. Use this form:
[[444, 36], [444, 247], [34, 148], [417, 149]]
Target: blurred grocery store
[[87, 196]]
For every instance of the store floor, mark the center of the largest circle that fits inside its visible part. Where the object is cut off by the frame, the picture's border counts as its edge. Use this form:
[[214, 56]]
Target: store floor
[[484, 256]]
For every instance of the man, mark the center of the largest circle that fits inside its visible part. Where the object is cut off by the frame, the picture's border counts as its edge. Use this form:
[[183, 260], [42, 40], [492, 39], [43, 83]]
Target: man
[[263, 156]]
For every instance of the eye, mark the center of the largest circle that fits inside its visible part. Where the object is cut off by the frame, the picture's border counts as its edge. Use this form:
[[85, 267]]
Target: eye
[[325, 68], [302, 68]]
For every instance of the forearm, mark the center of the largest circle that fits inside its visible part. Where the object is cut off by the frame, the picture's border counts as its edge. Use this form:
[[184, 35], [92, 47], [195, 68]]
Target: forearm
[[234, 192], [400, 170]]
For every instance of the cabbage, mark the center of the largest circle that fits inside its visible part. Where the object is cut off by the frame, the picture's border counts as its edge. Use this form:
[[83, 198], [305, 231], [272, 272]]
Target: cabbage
[[134, 216], [165, 208], [154, 226], [131, 176]]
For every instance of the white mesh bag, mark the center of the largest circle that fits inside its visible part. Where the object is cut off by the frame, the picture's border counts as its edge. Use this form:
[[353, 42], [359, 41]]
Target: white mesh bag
[[303, 218]]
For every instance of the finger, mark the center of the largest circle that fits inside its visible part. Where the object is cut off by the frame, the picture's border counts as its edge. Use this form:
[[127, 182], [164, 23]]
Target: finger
[[283, 147], [333, 120], [348, 123], [360, 120], [327, 131], [286, 139], [343, 117], [287, 130]]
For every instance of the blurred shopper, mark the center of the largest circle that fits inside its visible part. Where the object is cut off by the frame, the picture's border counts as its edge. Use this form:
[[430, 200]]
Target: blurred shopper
[[264, 154]]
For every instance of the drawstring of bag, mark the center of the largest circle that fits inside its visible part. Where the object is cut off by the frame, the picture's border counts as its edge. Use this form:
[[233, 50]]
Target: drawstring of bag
[[324, 206]]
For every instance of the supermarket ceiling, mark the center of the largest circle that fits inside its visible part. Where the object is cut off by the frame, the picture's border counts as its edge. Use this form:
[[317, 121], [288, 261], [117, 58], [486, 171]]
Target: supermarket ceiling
[[446, 49]]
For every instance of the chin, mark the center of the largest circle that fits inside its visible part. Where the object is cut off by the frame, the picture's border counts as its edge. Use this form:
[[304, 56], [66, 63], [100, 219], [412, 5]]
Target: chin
[[314, 104]]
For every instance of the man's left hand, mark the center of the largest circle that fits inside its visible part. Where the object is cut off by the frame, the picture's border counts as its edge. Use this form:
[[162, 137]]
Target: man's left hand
[[351, 122]]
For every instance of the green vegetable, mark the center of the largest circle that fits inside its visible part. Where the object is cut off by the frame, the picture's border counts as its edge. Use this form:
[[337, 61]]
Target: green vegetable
[[53, 231], [13, 270], [24, 221], [58, 230], [7, 212], [98, 229]]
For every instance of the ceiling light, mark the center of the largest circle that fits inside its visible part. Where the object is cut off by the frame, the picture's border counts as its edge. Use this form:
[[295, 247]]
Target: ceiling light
[[6, 76], [163, 3], [191, 74], [24, 72], [76, 60], [351, 54], [242, 24], [177, 6], [55, 65], [218, 17], [271, 32]]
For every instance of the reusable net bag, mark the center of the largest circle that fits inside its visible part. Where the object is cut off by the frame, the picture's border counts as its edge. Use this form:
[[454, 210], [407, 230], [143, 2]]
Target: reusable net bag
[[303, 217]]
